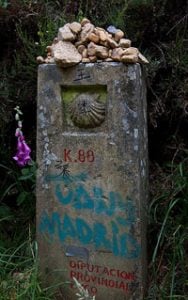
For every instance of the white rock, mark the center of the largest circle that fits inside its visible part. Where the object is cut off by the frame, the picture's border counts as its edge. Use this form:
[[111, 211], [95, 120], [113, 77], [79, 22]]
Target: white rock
[[131, 58], [125, 43], [118, 35], [65, 54], [75, 27], [116, 54], [84, 53], [87, 29], [93, 58], [65, 34], [142, 59], [130, 55], [102, 52], [93, 38], [131, 51], [84, 21], [112, 43], [85, 60], [40, 59], [91, 49], [81, 48]]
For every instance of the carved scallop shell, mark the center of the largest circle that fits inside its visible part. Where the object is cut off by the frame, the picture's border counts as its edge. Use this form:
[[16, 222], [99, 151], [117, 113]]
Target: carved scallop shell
[[86, 112]]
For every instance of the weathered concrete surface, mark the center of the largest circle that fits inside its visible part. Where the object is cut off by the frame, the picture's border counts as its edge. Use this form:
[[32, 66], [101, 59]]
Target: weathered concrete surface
[[92, 179]]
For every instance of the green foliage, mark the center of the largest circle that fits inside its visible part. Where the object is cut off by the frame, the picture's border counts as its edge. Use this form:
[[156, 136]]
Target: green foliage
[[21, 180], [168, 77], [4, 3], [18, 251], [47, 31], [17, 204], [168, 217], [19, 274]]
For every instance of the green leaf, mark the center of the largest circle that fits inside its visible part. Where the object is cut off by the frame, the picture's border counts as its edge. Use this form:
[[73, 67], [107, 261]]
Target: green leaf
[[25, 177], [5, 213], [22, 197]]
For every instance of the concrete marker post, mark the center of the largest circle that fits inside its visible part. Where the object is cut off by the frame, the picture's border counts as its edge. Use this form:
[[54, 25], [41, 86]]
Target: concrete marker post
[[92, 179]]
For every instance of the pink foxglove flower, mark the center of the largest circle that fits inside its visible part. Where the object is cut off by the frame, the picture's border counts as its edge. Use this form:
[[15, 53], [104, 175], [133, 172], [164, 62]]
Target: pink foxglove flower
[[22, 156]]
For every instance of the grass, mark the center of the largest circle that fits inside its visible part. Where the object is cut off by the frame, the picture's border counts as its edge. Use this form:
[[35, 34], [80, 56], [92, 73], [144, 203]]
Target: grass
[[19, 274], [169, 227], [18, 250]]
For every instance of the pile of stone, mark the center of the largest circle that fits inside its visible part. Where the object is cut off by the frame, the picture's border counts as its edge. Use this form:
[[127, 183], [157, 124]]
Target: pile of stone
[[83, 42]]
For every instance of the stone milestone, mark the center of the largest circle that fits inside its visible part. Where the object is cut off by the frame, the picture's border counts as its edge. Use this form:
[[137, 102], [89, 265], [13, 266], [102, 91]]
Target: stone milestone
[[97, 43], [92, 172]]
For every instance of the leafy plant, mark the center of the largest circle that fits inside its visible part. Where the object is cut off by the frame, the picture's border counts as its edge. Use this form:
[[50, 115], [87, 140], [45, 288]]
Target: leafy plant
[[17, 204], [82, 293], [168, 213], [19, 274], [4, 3]]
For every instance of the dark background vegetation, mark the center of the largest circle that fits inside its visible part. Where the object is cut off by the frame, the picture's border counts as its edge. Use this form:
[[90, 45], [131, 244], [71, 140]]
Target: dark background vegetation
[[159, 29]]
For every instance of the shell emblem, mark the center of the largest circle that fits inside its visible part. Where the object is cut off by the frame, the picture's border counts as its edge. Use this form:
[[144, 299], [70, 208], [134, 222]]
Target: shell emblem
[[86, 112]]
